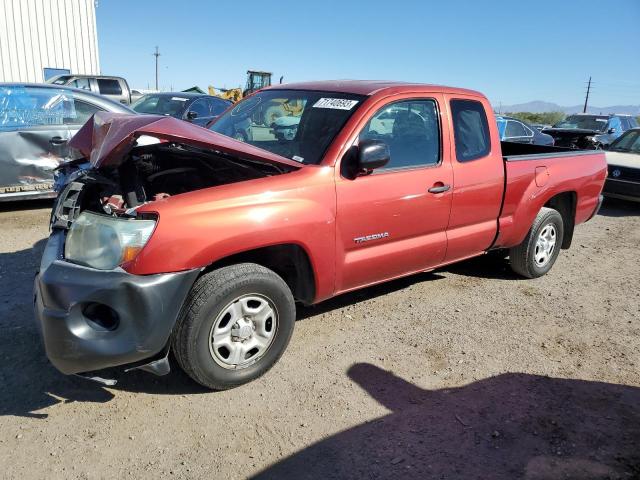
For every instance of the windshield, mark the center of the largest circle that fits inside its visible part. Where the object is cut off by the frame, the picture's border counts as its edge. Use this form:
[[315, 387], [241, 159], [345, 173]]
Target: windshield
[[584, 122], [295, 124], [628, 142], [171, 105]]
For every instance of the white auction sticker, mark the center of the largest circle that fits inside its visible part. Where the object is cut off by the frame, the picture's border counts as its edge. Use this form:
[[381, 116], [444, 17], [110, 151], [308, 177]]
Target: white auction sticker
[[179, 99], [336, 103]]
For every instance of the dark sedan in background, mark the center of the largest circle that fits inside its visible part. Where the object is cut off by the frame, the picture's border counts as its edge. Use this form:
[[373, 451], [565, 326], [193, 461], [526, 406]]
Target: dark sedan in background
[[191, 107], [36, 121], [623, 158], [514, 130]]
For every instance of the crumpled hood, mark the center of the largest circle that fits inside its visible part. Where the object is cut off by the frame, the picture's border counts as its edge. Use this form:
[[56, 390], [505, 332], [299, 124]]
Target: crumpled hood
[[107, 137], [571, 132]]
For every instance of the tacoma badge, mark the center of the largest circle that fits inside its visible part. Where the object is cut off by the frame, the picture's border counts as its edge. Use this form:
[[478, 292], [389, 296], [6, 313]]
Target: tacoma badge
[[367, 238]]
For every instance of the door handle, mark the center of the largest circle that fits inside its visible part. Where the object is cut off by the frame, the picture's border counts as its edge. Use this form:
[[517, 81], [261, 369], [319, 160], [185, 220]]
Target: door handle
[[439, 189], [57, 140]]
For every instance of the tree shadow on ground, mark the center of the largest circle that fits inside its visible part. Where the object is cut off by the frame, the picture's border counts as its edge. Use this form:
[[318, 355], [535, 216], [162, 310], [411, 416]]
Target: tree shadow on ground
[[504, 427]]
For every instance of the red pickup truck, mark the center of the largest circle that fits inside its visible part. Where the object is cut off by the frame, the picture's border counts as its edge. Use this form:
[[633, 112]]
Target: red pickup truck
[[168, 236]]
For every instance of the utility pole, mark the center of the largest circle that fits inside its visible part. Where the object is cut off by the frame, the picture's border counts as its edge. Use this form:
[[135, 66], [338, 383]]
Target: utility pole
[[586, 100], [156, 54]]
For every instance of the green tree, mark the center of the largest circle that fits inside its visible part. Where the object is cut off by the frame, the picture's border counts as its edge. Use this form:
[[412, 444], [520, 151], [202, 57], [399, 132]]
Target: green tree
[[546, 118]]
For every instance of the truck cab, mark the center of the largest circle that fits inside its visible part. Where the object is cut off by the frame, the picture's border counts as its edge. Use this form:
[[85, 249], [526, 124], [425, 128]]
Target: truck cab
[[115, 88]]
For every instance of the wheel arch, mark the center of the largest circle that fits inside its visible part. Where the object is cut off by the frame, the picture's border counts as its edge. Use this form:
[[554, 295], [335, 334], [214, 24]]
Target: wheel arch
[[289, 260], [565, 203]]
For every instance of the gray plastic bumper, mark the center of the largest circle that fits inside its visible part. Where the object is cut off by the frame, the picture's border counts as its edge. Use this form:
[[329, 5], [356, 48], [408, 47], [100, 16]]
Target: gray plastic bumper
[[143, 311]]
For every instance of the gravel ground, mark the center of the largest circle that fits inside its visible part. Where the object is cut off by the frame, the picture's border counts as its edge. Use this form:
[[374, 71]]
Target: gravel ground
[[466, 372]]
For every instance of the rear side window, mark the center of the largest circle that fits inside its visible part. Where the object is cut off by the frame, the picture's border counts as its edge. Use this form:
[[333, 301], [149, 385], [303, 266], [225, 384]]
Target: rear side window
[[109, 86], [82, 83], [515, 129], [470, 130], [83, 112]]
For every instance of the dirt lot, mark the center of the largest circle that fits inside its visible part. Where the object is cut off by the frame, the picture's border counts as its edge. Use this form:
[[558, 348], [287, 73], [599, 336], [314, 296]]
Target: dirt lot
[[467, 372]]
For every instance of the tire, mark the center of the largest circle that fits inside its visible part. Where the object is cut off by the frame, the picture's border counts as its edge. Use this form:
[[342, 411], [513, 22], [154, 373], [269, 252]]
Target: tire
[[221, 299], [532, 258]]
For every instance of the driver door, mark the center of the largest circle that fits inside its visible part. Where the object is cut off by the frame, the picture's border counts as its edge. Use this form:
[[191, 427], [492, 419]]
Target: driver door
[[393, 221]]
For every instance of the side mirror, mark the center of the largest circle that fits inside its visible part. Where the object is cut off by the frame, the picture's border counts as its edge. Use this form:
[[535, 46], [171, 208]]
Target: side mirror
[[372, 154], [611, 130], [191, 115]]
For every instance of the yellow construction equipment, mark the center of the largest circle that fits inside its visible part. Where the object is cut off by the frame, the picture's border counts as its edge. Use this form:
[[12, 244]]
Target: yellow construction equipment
[[266, 114], [255, 81]]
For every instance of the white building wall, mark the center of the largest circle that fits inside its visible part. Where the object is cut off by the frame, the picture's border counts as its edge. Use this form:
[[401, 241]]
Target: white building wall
[[39, 34]]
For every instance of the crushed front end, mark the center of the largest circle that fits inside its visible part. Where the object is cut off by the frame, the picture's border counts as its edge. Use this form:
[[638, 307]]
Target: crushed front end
[[92, 313]]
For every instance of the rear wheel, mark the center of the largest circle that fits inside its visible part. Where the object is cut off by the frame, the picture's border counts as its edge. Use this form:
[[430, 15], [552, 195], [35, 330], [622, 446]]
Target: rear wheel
[[538, 252], [236, 323]]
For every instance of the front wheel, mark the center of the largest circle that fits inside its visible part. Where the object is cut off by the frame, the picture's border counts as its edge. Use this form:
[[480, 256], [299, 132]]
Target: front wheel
[[538, 252], [235, 325]]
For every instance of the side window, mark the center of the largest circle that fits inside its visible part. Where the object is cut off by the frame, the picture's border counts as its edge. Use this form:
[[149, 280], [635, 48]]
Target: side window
[[626, 123], [217, 106], [82, 83], [22, 108], [515, 129], [200, 107], [83, 112], [109, 86], [411, 129], [470, 130]]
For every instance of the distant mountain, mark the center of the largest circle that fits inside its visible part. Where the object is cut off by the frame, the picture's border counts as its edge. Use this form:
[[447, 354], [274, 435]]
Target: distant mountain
[[539, 106]]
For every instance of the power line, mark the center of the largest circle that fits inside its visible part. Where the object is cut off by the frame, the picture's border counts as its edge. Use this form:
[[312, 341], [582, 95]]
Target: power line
[[586, 99], [156, 54]]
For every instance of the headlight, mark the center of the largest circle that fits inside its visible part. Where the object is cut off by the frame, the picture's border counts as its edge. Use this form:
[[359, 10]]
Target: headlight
[[104, 242]]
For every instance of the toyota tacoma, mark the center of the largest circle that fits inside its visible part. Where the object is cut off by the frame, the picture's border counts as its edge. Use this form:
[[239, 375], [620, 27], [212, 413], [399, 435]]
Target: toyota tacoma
[[170, 237]]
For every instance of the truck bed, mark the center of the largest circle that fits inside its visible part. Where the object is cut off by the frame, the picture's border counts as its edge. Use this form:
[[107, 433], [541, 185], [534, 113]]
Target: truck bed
[[538, 176], [513, 152]]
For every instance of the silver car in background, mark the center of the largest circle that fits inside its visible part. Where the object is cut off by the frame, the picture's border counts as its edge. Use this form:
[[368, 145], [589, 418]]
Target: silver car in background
[[115, 88], [36, 122]]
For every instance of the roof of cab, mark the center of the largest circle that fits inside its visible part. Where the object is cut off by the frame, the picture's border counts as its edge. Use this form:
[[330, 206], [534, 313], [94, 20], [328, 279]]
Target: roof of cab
[[370, 87]]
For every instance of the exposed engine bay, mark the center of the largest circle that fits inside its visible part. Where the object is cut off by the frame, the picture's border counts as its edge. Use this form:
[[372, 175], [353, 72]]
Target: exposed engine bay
[[149, 173]]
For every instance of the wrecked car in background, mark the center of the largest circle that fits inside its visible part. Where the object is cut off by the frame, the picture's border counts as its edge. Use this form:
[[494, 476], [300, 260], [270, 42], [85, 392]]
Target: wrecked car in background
[[587, 131], [36, 122]]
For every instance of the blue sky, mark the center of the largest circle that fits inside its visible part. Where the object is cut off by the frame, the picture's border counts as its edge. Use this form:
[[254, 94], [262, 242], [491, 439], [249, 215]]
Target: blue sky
[[513, 51]]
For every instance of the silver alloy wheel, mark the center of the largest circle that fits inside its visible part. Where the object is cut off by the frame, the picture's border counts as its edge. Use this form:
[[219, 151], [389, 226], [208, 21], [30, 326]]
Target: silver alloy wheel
[[243, 331], [545, 245]]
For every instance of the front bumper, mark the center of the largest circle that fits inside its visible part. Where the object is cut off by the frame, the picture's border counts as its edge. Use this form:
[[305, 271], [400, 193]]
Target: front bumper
[[146, 309]]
